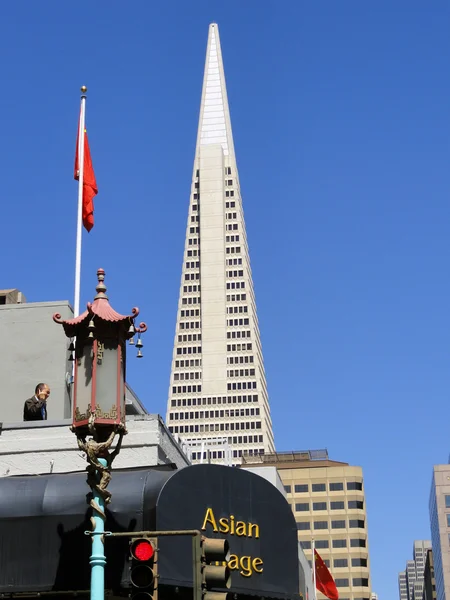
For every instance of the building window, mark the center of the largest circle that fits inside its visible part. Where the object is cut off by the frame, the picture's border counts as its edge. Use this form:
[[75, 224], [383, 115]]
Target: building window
[[359, 562], [321, 544], [305, 545], [319, 506], [320, 524], [354, 485], [340, 562], [336, 487], [300, 489], [339, 543], [448, 520], [303, 525], [447, 501], [362, 581], [318, 487], [338, 505], [287, 489], [341, 582], [359, 523], [358, 543], [338, 524], [302, 506], [356, 504]]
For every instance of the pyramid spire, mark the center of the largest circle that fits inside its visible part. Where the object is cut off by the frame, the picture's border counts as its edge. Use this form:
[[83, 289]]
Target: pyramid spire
[[218, 403], [215, 123]]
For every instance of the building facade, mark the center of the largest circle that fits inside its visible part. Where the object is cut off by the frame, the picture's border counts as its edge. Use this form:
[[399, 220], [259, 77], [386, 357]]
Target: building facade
[[34, 350], [402, 586], [43, 447], [328, 501], [440, 528], [218, 399], [411, 580], [429, 582], [272, 475]]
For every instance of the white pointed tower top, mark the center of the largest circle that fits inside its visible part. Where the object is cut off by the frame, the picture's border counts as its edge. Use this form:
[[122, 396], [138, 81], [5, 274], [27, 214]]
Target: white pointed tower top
[[214, 123]]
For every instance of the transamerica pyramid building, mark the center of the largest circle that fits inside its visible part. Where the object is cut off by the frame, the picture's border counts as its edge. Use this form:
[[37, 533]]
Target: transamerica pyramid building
[[218, 403]]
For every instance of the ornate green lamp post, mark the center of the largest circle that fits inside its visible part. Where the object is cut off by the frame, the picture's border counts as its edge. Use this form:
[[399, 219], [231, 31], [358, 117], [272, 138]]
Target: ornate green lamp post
[[98, 348]]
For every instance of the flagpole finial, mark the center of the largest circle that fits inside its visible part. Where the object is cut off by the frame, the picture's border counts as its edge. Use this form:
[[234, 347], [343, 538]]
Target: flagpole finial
[[83, 89]]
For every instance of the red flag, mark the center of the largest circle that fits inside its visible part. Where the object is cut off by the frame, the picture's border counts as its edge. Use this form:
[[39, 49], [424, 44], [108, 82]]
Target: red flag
[[89, 184], [324, 579]]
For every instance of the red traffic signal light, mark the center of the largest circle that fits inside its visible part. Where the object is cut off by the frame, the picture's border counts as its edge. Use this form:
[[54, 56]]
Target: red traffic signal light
[[142, 549], [144, 568]]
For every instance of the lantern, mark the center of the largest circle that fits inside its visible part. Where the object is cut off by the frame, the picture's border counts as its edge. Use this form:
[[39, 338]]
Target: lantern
[[100, 335]]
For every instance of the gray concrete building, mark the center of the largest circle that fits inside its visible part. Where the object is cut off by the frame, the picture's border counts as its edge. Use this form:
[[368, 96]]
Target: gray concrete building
[[440, 529], [50, 447], [218, 399], [34, 350], [402, 586], [411, 580]]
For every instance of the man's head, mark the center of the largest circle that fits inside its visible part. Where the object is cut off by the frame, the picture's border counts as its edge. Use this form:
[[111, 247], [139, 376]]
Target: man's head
[[42, 391]]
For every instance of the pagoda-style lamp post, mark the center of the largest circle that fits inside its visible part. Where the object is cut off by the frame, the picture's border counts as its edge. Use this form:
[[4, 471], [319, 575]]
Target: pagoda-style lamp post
[[98, 347]]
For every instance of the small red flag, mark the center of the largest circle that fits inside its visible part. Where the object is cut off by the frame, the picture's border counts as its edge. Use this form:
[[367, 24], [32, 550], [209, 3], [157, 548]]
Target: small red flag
[[89, 184], [324, 579]]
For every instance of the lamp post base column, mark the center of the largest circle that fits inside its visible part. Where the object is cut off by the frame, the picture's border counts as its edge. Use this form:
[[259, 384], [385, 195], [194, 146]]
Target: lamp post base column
[[98, 558]]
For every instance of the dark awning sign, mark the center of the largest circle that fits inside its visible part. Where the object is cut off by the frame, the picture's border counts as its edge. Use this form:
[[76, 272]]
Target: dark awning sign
[[246, 565], [245, 509], [43, 520]]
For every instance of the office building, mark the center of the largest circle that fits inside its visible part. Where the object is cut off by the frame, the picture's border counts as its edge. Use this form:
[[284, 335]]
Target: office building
[[306, 579], [429, 583], [402, 586], [328, 501], [411, 580], [218, 400], [440, 529]]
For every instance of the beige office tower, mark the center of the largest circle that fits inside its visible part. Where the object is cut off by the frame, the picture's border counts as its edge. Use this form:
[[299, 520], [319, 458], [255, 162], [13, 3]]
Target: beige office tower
[[218, 401], [439, 507], [327, 498]]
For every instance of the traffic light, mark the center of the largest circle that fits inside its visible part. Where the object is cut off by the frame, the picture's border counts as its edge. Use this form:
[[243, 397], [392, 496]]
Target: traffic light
[[144, 568], [206, 574]]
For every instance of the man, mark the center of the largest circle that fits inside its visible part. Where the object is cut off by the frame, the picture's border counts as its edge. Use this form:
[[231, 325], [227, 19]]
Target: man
[[35, 409]]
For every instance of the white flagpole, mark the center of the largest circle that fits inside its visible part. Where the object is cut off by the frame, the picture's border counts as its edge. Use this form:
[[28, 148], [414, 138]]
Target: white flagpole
[[313, 547], [76, 304]]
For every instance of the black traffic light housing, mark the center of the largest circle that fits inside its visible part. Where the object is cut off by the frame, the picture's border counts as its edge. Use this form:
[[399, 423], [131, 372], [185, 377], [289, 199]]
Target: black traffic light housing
[[144, 568], [210, 556]]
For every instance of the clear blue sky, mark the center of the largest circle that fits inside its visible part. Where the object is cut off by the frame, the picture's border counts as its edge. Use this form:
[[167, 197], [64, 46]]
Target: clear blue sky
[[340, 113]]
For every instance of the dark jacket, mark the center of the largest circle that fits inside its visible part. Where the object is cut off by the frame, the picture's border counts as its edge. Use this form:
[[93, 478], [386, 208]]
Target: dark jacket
[[32, 410]]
